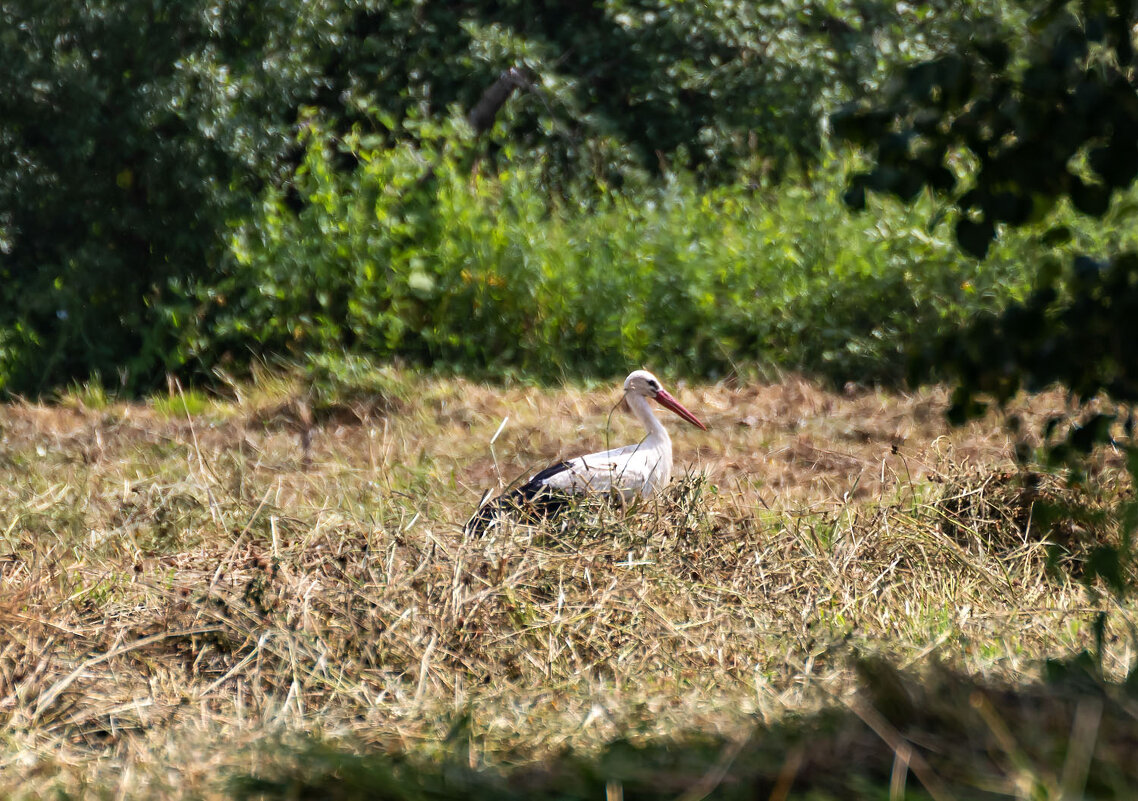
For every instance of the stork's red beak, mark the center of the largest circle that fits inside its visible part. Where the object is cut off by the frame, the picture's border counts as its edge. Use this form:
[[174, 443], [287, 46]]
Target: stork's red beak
[[668, 402]]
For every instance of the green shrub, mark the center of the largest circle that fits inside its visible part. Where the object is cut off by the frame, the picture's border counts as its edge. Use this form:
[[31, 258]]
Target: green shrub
[[416, 256], [132, 136]]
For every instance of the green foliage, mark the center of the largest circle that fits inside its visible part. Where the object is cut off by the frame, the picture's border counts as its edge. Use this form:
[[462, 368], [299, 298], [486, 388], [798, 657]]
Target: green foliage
[[132, 136], [1039, 117], [1008, 128], [334, 381], [129, 135], [182, 404], [441, 267], [88, 395], [1073, 334], [625, 86]]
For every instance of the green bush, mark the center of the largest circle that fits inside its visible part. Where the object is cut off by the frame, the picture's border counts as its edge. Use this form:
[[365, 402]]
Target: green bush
[[413, 256], [132, 136]]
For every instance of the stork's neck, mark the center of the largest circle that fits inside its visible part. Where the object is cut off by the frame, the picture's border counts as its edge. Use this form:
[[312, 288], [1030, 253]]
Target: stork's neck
[[643, 411]]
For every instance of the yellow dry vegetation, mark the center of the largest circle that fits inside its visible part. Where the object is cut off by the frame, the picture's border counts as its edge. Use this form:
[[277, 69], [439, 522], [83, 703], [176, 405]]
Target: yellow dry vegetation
[[268, 566]]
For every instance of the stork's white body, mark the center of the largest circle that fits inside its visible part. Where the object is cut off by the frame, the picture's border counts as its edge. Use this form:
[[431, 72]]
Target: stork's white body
[[638, 470], [633, 470]]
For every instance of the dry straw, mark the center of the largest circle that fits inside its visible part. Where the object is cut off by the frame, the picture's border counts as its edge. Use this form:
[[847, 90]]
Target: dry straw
[[172, 582]]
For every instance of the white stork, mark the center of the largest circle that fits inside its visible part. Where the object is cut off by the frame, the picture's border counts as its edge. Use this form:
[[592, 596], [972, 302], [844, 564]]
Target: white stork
[[641, 469]]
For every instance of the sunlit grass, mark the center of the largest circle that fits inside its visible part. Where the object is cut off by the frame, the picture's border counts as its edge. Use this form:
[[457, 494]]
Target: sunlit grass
[[256, 570], [89, 395], [184, 403]]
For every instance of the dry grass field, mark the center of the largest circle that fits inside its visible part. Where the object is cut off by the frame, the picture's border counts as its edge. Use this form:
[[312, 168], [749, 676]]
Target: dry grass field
[[213, 597]]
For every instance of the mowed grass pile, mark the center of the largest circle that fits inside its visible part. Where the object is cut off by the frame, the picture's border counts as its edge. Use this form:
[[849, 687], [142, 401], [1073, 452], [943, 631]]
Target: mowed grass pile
[[214, 596]]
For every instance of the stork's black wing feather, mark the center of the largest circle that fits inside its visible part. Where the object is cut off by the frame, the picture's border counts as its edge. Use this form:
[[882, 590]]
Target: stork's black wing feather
[[537, 483], [528, 503]]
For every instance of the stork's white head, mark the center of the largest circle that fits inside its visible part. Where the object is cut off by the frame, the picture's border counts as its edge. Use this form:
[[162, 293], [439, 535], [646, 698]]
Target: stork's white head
[[643, 383]]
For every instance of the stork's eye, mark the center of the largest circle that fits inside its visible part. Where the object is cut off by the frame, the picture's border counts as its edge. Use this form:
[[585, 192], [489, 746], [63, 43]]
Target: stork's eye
[[654, 386]]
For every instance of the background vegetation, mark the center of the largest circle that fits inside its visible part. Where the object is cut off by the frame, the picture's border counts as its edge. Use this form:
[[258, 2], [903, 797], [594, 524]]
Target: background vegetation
[[191, 191], [482, 276], [842, 596], [154, 158]]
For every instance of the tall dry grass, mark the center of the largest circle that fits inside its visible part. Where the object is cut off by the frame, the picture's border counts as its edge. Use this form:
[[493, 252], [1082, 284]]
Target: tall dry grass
[[180, 588]]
